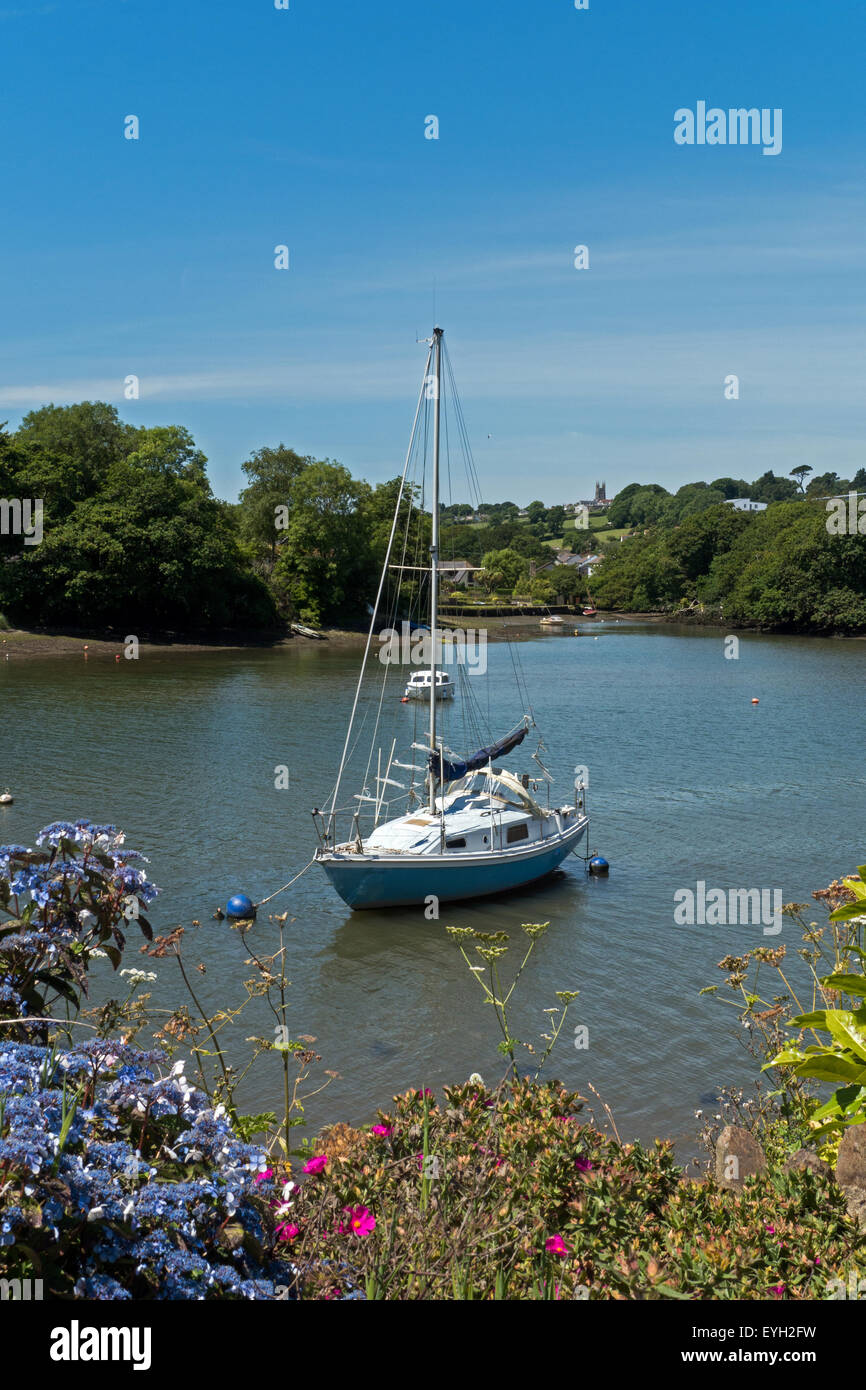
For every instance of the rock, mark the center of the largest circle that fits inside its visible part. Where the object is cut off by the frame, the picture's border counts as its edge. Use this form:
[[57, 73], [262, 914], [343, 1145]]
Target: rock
[[738, 1156], [804, 1160], [856, 1199], [851, 1163]]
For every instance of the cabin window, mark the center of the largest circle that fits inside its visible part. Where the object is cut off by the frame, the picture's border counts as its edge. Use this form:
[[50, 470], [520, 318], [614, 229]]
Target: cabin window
[[457, 843], [515, 833]]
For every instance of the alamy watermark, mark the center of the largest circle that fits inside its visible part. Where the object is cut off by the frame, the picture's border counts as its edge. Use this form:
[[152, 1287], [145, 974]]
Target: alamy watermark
[[22, 517], [846, 516], [20, 1290], [854, 1288], [415, 647], [715, 907], [736, 126]]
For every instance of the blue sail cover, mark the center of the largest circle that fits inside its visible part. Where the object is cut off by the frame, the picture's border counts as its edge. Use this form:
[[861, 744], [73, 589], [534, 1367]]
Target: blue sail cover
[[452, 772]]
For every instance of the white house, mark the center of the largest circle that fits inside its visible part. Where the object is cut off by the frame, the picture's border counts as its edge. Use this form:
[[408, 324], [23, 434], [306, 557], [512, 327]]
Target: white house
[[745, 504]]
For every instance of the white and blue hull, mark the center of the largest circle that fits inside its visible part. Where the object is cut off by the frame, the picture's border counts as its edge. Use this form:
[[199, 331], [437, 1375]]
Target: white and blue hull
[[402, 880]]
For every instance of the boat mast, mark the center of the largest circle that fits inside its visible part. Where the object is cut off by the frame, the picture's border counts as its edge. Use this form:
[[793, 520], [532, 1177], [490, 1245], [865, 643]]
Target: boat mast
[[434, 551]]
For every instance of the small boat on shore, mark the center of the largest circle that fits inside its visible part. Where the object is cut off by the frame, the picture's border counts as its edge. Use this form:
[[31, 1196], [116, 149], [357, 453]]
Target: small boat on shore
[[552, 620]]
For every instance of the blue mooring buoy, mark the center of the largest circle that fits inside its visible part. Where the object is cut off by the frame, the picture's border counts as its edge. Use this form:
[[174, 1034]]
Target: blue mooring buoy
[[598, 866], [240, 906]]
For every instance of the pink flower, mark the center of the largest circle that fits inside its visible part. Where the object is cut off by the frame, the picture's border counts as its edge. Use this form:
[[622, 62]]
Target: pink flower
[[361, 1221], [583, 1165], [317, 1164], [287, 1231], [264, 1175], [778, 1290], [422, 1094], [383, 1130], [771, 1230], [555, 1245]]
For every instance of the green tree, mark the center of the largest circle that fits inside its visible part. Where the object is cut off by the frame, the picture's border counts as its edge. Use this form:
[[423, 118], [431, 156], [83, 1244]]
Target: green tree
[[541, 590], [569, 582], [272, 474], [133, 538], [769, 488], [619, 511], [827, 485], [66, 453], [324, 570], [731, 487], [510, 568]]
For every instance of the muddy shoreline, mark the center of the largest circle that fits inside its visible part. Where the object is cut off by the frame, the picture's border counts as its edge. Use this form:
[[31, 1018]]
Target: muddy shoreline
[[21, 644]]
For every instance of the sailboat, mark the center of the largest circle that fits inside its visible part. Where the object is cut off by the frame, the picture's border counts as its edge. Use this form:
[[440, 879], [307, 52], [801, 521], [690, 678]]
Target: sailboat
[[480, 828]]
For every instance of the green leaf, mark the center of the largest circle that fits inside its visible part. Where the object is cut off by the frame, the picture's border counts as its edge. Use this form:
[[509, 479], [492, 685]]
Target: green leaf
[[844, 1027], [841, 1101], [849, 910], [846, 984], [832, 1067]]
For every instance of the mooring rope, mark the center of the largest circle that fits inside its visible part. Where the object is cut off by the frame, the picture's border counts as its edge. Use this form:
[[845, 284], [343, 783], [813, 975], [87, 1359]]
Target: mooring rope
[[285, 885]]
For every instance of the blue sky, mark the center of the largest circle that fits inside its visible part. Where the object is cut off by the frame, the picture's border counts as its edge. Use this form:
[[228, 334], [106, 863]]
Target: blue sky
[[306, 127]]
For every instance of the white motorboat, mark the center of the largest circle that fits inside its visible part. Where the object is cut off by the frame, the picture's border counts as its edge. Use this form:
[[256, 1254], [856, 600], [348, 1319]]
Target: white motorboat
[[419, 683]]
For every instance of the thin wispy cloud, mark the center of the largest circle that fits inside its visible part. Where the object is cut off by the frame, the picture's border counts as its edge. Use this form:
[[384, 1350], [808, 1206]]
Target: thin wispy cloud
[[678, 370]]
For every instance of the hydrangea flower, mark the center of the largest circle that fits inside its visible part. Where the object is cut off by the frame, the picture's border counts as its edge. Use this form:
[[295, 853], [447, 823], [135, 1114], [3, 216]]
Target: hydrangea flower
[[108, 1221]]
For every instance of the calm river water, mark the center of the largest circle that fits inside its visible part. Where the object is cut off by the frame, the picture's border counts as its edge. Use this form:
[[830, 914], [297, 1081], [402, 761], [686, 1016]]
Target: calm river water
[[688, 781]]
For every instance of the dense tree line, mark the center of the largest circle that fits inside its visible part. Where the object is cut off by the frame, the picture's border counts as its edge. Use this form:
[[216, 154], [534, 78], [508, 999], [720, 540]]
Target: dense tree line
[[133, 537], [648, 504], [778, 569]]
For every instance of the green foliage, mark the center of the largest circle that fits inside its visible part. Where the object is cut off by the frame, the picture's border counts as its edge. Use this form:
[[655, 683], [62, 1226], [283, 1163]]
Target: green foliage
[[834, 956], [542, 590], [133, 537], [777, 569], [324, 568], [272, 473], [842, 1060], [568, 581], [503, 569], [769, 488], [468, 1198]]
